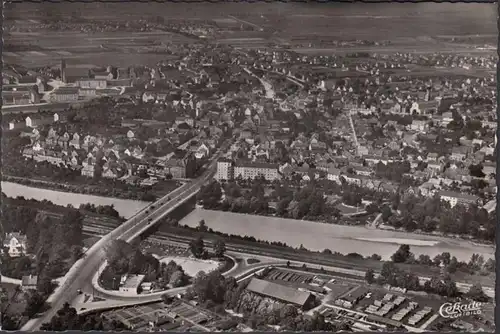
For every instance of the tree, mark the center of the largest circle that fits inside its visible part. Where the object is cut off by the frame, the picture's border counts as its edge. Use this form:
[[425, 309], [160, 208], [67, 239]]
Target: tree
[[219, 248], [197, 247], [386, 213], [34, 304], [389, 272], [489, 265], [167, 299], [476, 293], [202, 226], [370, 276], [177, 279], [402, 255]]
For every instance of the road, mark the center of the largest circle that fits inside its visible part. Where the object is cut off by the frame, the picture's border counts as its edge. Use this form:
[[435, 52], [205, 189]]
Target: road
[[268, 87], [83, 270], [246, 22], [375, 223], [340, 266], [243, 271]]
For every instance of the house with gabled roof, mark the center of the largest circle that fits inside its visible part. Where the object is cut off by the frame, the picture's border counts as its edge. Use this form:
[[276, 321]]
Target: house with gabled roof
[[15, 243]]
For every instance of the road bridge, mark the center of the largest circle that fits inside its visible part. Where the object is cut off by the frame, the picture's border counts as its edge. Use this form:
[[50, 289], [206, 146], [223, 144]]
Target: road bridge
[[81, 273]]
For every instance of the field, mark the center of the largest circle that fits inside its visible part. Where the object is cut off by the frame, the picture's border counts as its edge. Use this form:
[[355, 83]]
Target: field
[[412, 27], [101, 49]]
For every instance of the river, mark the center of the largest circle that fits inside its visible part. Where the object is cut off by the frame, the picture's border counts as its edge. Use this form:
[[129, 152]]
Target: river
[[343, 239], [312, 235], [126, 208]]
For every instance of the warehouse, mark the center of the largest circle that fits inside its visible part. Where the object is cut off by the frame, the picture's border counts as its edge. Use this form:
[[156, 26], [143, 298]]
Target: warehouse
[[285, 294]]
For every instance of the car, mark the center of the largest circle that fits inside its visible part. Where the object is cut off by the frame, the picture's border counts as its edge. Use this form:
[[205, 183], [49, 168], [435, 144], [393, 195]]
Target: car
[[168, 198], [147, 211], [79, 291], [150, 220], [152, 206]]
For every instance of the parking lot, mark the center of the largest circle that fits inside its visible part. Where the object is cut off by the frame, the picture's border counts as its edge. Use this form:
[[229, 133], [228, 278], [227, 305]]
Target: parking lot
[[289, 276]]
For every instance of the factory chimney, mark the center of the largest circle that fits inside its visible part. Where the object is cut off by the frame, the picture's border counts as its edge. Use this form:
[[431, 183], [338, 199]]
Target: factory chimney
[[63, 70]]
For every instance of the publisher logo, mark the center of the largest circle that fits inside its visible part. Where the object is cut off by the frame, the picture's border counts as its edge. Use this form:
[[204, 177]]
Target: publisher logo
[[456, 310]]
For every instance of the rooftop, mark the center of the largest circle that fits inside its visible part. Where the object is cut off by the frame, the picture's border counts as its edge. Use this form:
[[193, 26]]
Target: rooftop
[[278, 291], [457, 195], [133, 281], [253, 164]]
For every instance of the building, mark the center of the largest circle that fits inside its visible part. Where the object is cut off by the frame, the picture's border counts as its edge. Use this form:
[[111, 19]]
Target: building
[[285, 294], [250, 169], [21, 97], [65, 94], [455, 198], [63, 70], [333, 174], [15, 243], [225, 170], [92, 84], [418, 125], [459, 153], [181, 168], [131, 284], [29, 282]]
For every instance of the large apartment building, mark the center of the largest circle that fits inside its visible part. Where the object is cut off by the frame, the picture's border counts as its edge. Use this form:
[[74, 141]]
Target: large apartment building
[[227, 170], [224, 170]]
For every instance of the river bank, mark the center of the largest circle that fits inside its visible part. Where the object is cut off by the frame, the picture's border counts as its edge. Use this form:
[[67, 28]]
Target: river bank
[[311, 235], [344, 239], [125, 207], [105, 188]]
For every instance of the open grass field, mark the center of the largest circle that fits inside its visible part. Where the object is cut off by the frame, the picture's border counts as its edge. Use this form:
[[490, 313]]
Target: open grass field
[[192, 266], [119, 49]]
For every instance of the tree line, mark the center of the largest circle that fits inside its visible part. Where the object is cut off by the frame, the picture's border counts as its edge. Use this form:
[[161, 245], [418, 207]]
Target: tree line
[[442, 285]]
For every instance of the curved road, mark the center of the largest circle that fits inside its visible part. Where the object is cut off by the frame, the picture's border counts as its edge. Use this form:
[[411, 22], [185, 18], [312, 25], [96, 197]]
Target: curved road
[[83, 270]]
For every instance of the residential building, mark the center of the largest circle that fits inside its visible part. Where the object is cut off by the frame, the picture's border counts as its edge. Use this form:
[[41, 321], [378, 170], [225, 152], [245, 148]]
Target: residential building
[[181, 168], [248, 169], [88, 167], [459, 153], [20, 97], [455, 198], [225, 170], [333, 174], [418, 125], [29, 282], [15, 243], [131, 284]]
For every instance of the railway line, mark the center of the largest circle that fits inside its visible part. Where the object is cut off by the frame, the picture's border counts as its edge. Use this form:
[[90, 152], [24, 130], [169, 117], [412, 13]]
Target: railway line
[[247, 248], [286, 254]]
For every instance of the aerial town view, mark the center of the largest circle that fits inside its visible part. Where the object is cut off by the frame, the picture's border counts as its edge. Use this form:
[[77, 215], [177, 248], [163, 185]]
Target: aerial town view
[[248, 167]]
